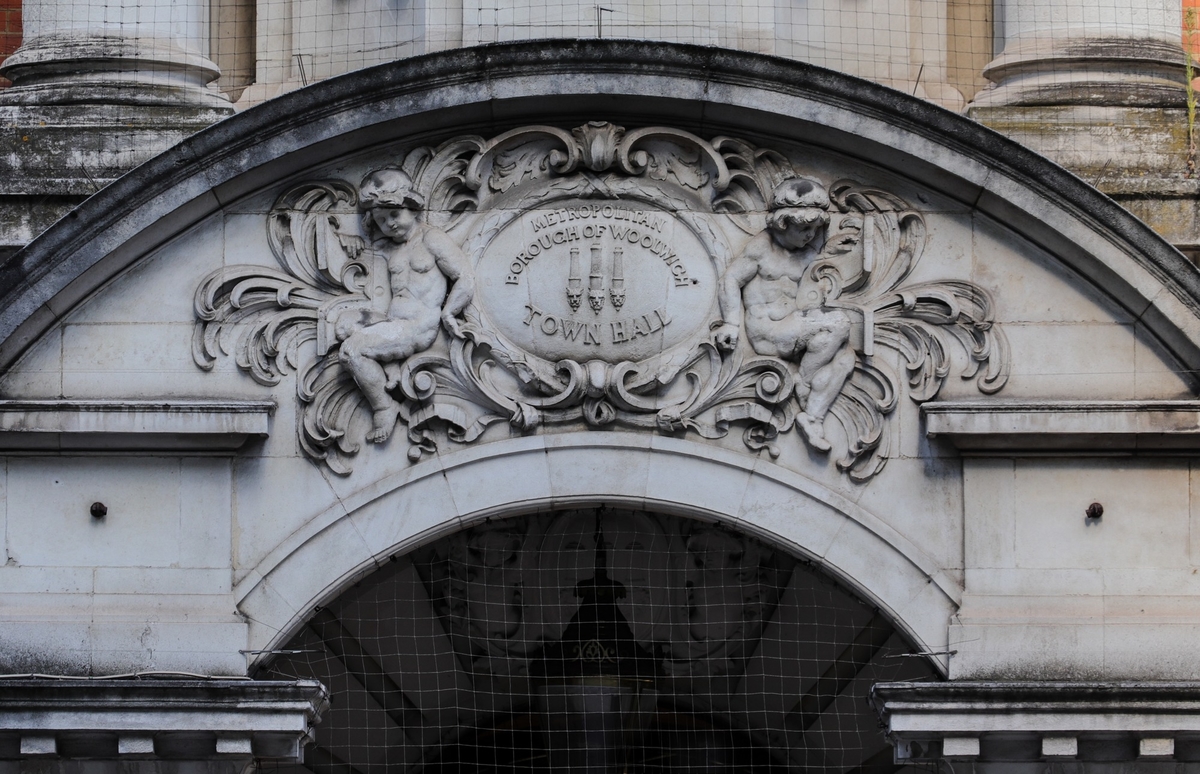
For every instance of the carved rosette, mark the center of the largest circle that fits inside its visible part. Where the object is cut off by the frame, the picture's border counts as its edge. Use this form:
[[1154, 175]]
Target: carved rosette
[[598, 256]]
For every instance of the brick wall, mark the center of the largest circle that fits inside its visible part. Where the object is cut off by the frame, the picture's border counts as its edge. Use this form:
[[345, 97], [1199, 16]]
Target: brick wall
[[10, 30]]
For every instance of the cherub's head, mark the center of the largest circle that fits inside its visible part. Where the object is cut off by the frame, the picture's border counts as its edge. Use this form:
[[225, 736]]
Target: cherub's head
[[389, 204], [799, 212]]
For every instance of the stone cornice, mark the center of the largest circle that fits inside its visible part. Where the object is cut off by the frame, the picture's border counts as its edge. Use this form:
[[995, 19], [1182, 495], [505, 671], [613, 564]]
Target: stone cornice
[[132, 425], [156, 718], [1040, 720], [1081, 426]]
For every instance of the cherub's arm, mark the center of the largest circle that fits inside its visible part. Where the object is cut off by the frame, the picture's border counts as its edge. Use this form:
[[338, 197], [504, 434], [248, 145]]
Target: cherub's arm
[[729, 297], [452, 262]]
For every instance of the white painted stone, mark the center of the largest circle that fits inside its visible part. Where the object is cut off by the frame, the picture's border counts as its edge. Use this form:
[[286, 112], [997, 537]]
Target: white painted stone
[[1029, 285], [40, 372], [1151, 747], [486, 484], [131, 360], [233, 745], [161, 580], [272, 497], [1033, 650], [937, 485], [46, 580], [583, 475], [206, 514], [1073, 360], [50, 524], [200, 647], [168, 277], [721, 490], [1060, 746], [135, 745], [960, 746], [1157, 374], [1023, 583], [33, 744], [989, 518], [89, 425], [1145, 521]]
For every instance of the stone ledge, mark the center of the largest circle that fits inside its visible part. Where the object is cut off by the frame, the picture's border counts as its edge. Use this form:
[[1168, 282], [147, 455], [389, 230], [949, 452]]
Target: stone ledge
[[1041, 721], [159, 718], [132, 425], [1166, 425]]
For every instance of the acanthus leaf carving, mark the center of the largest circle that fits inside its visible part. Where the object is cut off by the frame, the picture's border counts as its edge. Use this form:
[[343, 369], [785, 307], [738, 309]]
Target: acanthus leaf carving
[[786, 293]]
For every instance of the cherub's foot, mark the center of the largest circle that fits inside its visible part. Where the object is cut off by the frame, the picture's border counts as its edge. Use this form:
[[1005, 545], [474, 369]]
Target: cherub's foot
[[383, 421], [814, 431]]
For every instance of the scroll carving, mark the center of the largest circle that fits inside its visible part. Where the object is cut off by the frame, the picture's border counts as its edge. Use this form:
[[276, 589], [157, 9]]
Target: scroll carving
[[643, 279]]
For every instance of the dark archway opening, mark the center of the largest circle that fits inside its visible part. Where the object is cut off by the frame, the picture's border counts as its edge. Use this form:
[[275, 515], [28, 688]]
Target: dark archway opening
[[598, 640]]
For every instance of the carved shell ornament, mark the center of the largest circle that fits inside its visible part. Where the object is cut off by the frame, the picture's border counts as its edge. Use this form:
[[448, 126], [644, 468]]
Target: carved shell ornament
[[641, 279]]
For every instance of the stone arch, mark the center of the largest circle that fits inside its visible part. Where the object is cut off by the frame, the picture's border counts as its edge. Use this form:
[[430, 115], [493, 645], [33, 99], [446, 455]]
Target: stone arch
[[433, 498], [712, 90]]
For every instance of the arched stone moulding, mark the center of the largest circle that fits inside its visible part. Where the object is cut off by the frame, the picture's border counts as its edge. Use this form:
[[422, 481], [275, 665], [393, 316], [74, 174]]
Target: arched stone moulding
[[711, 91], [426, 99], [397, 513]]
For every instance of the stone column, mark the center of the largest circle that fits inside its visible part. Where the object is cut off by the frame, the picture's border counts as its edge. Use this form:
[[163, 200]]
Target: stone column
[[126, 52], [116, 83], [1084, 52], [1100, 87]]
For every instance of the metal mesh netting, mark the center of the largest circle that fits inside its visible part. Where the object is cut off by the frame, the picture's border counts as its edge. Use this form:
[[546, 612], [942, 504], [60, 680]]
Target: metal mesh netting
[[598, 641], [937, 49], [1102, 87]]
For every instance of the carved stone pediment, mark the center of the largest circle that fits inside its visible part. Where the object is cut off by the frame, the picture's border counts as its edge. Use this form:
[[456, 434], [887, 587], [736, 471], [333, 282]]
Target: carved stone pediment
[[643, 279]]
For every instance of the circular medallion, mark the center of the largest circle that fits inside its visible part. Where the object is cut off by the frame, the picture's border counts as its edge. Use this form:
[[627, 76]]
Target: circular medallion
[[589, 280]]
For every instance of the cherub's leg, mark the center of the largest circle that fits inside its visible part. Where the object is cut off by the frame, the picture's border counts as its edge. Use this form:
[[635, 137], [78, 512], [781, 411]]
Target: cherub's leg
[[370, 377], [828, 382], [392, 371], [832, 332], [828, 361]]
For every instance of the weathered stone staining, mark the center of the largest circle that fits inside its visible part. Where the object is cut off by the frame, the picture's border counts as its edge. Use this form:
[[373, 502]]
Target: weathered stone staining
[[695, 319]]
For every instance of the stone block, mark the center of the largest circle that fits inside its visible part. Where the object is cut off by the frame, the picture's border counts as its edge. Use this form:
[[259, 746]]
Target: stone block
[[1145, 522], [50, 523]]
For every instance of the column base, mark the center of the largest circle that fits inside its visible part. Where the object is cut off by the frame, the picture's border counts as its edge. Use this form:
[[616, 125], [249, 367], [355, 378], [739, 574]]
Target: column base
[[65, 69], [1127, 72]]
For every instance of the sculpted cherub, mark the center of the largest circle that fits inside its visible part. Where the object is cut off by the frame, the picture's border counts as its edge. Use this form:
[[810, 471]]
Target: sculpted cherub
[[422, 262], [769, 285]]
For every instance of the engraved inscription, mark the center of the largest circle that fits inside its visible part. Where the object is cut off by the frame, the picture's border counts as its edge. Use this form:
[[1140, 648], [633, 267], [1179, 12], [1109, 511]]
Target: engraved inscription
[[584, 281]]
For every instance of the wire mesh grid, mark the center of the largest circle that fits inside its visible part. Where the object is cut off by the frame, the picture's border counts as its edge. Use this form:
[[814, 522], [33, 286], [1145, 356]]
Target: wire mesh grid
[[937, 49], [598, 640]]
